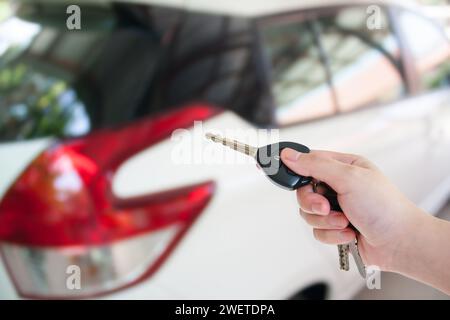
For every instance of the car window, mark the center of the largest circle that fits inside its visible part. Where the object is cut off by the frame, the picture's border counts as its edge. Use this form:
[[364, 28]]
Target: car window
[[364, 59], [34, 102], [127, 61], [217, 64], [430, 49], [53, 80], [298, 76], [332, 63]]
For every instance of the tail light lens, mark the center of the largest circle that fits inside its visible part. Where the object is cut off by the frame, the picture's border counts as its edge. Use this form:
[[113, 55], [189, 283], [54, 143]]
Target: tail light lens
[[61, 213]]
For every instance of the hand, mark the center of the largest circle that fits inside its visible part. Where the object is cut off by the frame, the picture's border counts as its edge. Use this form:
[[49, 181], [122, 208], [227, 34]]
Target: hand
[[383, 216]]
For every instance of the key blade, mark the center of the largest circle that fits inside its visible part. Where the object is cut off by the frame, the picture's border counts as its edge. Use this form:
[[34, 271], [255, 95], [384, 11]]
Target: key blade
[[213, 137], [344, 263], [357, 257], [233, 144]]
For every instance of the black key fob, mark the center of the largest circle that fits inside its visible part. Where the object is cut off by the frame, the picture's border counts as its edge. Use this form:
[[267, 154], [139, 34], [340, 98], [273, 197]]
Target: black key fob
[[268, 158]]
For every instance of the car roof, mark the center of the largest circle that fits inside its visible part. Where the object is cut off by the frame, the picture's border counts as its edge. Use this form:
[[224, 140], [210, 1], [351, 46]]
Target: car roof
[[255, 8], [247, 8]]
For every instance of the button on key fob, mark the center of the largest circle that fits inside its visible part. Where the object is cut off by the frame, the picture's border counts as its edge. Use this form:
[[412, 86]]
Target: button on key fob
[[268, 158]]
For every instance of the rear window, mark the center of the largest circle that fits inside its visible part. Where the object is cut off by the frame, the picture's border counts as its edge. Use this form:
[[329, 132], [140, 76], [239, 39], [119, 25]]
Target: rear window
[[126, 62]]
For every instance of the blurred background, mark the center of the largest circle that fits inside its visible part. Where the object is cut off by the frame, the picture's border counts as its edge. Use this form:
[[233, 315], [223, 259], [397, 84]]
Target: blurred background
[[91, 205]]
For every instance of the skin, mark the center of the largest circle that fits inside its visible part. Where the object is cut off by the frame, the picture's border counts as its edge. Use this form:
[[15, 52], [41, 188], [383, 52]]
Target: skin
[[393, 233]]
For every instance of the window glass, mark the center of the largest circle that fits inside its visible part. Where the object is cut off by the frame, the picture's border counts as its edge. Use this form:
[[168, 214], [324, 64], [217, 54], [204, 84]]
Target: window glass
[[128, 61], [217, 65], [365, 63], [298, 76], [38, 65], [332, 63], [430, 49]]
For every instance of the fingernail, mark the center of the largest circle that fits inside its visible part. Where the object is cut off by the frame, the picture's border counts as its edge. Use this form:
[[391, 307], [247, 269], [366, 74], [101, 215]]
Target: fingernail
[[344, 235], [317, 208], [291, 155]]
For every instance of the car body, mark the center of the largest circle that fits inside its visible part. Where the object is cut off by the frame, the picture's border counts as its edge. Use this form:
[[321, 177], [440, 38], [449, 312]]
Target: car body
[[88, 177], [440, 13]]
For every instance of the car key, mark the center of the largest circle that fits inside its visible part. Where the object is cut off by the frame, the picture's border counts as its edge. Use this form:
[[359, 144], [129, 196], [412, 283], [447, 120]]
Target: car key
[[268, 158], [343, 249]]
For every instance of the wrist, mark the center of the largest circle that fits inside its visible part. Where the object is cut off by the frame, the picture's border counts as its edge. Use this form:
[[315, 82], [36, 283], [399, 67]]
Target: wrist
[[402, 251]]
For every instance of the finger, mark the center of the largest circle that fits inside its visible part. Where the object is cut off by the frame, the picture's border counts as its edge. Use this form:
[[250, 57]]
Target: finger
[[320, 166], [312, 202], [334, 236], [347, 158], [335, 220]]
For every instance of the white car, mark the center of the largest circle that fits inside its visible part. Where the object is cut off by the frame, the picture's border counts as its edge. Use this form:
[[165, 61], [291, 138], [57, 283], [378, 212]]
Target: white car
[[91, 201]]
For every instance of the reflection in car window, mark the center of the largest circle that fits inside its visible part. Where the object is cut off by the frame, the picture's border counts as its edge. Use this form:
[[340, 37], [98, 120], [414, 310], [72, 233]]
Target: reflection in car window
[[299, 80], [365, 63], [37, 69], [332, 63], [430, 48], [217, 65], [128, 61], [34, 104]]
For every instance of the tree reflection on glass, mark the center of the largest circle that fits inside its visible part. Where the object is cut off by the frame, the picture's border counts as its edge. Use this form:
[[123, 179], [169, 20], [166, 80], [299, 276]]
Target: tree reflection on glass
[[33, 104]]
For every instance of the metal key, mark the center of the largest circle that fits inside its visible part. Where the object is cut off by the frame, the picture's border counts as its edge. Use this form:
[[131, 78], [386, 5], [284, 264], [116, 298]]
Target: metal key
[[343, 249], [233, 144], [353, 246], [268, 159], [289, 180]]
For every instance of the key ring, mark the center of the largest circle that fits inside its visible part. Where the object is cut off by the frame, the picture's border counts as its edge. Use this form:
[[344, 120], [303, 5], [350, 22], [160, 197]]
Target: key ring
[[315, 183]]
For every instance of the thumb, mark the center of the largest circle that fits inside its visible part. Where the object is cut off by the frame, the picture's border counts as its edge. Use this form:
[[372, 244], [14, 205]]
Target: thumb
[[320, 166]]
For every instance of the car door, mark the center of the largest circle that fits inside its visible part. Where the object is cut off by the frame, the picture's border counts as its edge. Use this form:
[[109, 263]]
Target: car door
[[428, 50]]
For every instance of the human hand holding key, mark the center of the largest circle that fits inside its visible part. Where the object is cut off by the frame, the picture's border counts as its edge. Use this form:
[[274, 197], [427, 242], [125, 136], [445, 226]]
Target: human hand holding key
[[392, 233], [369, 201]]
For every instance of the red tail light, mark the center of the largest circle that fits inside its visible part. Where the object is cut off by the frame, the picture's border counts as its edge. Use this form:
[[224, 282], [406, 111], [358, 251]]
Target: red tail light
[[62, 212]]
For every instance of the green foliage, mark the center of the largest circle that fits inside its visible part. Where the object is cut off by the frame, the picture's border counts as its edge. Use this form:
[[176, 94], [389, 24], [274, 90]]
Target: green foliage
[[37, 99]]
